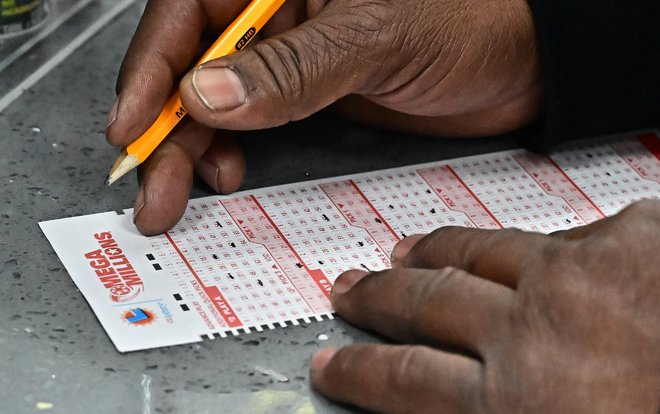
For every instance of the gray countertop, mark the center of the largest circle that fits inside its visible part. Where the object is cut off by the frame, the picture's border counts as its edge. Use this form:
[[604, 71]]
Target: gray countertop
[[54, 355]]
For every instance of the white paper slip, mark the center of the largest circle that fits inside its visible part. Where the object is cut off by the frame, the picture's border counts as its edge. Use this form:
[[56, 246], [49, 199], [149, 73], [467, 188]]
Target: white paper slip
[[268, 258]]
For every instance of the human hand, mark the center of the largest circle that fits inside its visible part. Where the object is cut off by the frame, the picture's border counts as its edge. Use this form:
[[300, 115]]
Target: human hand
[[442, 67], [565, 323]]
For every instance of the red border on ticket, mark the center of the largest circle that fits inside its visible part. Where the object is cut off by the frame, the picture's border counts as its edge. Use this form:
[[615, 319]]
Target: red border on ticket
[[317, 275], [652, 143], [213, 293]]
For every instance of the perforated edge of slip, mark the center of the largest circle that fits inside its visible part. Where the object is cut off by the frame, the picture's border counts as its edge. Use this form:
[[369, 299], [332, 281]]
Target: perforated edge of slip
[[268, 326]]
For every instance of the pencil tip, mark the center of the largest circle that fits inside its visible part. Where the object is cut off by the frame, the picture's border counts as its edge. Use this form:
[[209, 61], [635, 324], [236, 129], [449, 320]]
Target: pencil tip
[[122, 165]]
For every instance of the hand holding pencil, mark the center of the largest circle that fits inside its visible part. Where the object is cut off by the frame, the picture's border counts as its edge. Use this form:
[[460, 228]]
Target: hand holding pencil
[[392, 64], [233, 39]]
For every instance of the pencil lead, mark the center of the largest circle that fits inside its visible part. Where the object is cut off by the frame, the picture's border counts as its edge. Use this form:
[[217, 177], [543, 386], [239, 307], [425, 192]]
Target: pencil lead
[[122, 165]]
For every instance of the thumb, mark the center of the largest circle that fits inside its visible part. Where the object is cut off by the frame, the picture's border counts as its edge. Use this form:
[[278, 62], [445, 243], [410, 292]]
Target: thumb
[[290, 76]]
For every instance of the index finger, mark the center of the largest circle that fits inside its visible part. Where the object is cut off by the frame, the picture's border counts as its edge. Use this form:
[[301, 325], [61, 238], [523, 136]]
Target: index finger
[[399, 379], [498, 255], [163, 48]]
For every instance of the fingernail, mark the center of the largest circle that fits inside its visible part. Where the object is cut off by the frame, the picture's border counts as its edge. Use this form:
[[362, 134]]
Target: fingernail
[[218, 88], [139, 204], [209, 173], [402, 248], [347, 280], [112, 116], [320, 360]]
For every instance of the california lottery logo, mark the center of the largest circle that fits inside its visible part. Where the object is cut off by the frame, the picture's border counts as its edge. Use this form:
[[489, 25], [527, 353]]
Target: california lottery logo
[[139, 316]]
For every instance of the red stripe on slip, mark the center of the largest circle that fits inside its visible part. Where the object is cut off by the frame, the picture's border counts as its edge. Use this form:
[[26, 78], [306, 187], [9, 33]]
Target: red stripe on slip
[[652, 143], [318, 276], [214, 294], [374, 209], [272, 250], [321, 281], [460, 180], [223, 307], [577, 187]]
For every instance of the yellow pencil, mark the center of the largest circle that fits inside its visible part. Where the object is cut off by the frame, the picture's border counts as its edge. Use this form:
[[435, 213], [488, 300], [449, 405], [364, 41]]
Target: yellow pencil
[[237, 35]]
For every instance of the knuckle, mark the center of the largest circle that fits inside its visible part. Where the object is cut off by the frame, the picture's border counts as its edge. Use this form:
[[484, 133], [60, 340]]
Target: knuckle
[[411, 369], [544, 302], [636, 227], [356, 33], [560, 260], [446, 274], [360, 29], [364, 24], [281, 61], [415, 373], [431, 288]]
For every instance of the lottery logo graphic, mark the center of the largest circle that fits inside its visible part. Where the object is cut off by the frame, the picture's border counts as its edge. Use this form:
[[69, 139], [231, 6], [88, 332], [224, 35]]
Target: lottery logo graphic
[[139, 316], [114, 270]]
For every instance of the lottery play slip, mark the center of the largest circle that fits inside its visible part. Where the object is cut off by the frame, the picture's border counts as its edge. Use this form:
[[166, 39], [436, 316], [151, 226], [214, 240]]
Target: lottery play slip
[[267, 258]]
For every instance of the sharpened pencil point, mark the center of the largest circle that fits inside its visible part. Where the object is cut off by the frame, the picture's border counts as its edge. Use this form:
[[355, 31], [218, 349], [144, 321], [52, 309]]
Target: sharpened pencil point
[[124, 164]]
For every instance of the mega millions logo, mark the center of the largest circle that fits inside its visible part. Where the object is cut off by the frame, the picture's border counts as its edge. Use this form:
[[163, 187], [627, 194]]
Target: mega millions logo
[[114, 270]]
